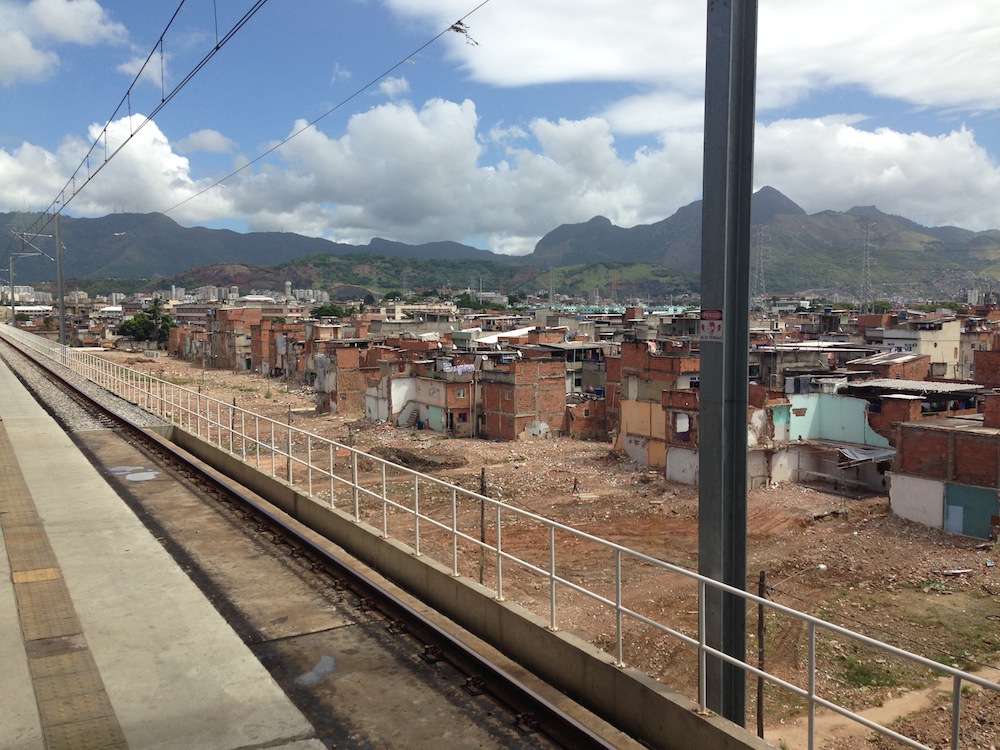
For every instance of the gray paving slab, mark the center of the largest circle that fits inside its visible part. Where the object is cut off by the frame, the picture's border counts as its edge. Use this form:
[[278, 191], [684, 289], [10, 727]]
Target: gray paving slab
[[175, 673], [20, 729]]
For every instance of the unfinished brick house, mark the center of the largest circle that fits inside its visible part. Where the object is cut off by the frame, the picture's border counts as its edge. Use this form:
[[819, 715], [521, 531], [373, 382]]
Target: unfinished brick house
[[636, 385], [947, 472], [522, 397], [437, 394]]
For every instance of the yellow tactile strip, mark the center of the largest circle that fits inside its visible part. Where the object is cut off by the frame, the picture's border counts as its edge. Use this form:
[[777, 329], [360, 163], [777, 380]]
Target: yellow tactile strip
[[73, 707]]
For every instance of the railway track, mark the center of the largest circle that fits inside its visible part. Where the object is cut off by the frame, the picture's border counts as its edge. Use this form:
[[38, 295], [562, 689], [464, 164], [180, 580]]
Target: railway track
[[366, 664]]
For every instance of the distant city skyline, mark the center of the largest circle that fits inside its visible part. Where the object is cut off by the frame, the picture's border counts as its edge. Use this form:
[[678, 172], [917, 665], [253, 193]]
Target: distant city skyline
[[526, 116]]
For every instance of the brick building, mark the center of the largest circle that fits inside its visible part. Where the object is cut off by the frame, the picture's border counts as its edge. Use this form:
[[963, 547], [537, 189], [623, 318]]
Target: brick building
[[523, 397], [947, 472]]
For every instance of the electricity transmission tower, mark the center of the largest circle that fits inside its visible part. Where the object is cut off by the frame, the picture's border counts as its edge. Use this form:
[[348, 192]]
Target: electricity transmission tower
[[866, 292]]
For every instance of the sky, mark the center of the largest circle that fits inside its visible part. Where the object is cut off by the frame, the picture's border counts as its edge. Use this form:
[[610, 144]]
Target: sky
[[358, 119]]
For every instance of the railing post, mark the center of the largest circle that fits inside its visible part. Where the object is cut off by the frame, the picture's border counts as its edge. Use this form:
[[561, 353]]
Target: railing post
[[454, 532], [309, 465], [812, 685], [619, 635], [499, 558], [416, 514], [956, 712], [702, 655], [385, 503], [552, 577], [290, 478], [354, 482], [332, 483]]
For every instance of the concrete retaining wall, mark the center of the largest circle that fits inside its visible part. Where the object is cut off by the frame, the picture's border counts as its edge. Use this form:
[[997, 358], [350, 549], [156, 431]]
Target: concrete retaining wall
[[629, 699]]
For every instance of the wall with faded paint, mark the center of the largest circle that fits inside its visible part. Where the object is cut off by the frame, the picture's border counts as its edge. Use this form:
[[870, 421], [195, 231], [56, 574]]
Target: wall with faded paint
[[828, 416], [759, 428], [784, 466], [636, 416], [758, 469], [917, 499], [401, 392], [429, 392], [682, 466], [781, 415], [636, 447]]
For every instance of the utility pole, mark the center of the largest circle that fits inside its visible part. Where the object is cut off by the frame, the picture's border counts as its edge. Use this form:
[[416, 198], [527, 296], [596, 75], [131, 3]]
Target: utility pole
[[730, 80], [10, 267], [59, 283]]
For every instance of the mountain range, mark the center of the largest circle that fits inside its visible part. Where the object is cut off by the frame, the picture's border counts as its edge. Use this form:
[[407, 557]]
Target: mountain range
[[791, 251]]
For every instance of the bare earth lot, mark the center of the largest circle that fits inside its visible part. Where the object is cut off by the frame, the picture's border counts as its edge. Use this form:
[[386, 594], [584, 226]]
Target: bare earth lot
[[883, 576]]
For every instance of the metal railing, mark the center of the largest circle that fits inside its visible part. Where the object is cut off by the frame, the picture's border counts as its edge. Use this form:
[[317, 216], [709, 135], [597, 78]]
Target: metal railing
[[451, 522]]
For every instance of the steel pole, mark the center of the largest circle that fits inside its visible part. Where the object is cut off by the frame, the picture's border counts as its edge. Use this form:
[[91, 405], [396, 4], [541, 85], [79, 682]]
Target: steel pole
[[725, 276]]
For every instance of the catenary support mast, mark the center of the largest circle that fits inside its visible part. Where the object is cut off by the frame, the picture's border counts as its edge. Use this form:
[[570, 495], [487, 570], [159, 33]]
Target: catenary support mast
[[725, 275]]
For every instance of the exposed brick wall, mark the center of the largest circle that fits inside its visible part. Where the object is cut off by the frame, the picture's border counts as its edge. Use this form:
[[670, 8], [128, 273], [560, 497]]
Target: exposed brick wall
[[587, 420], [987, 368], [523, 393], [991, 410], [923, 452], [975, 459], [894, 412]]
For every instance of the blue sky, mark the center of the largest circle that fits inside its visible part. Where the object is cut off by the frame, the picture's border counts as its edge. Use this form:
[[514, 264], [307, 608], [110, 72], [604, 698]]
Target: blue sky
[[546, 112]]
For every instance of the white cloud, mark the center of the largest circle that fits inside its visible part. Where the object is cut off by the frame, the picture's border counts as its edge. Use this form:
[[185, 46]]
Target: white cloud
[[340, 73], [153, 71], [393, 87], [76, 21], [438, 170], [923, 52], [21, 60], [831, 164], [146, 175], [29, 31], [207, 141]]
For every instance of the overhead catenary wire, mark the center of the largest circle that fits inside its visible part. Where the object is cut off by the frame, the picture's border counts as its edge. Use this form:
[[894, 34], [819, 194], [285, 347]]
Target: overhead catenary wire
[[458, 27], [71, 186], [71, 189]]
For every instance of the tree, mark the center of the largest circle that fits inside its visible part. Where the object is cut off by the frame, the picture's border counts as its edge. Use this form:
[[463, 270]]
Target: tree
[[139, 327], [155, 310], [332, 311], [152, 324]]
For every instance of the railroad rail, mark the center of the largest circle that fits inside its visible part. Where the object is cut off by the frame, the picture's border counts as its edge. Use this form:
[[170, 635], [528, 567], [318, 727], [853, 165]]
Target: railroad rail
[[531, 713], [428, 517]]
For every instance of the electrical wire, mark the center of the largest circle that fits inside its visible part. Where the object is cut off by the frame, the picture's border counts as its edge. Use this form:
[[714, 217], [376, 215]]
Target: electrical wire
[[458, 26], [71, 187]]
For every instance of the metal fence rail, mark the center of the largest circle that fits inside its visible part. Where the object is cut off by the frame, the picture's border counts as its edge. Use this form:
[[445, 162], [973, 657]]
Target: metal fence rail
[[444, 520]]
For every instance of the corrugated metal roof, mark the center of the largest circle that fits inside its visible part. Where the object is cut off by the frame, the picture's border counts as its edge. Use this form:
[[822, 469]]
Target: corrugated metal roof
[[914, 386]]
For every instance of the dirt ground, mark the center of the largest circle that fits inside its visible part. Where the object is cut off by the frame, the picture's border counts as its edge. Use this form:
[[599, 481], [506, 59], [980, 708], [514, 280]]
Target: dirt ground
[[847, 560]]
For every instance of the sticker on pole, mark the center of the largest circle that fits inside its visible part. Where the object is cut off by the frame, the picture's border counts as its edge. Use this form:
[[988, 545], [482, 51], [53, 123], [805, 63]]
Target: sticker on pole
[[711, 325]]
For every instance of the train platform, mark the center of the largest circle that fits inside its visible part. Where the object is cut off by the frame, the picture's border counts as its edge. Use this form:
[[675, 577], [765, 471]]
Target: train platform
[[104, 641]]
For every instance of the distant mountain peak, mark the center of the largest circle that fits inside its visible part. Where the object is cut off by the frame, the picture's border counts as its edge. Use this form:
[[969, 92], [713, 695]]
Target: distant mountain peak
[[769, 202]]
